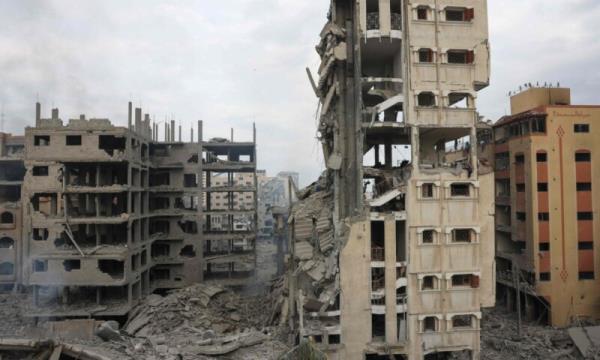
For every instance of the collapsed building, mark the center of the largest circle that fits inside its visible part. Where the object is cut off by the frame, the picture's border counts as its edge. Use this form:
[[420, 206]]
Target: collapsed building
[[546, 212], [111, 214], [408, 189]]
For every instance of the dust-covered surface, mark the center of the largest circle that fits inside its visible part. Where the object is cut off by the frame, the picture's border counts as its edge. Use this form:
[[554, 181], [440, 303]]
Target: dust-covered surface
[[500, 339], [198, 322]]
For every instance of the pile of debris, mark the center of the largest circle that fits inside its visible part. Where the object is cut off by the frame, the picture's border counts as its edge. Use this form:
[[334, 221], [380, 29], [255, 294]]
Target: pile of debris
[[202, 321], [500, 339]]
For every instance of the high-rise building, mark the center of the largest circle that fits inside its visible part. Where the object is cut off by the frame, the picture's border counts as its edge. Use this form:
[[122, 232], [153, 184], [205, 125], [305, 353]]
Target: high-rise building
[[546, 214], [412, 190]]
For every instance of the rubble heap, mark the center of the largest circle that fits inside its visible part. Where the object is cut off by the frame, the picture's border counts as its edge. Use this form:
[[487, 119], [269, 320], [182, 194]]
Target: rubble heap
[[203, 320], [500, 339], [198, 322]]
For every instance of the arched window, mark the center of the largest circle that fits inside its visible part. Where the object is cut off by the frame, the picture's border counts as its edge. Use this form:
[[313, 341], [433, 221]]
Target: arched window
[[7, 243], [7, 218]]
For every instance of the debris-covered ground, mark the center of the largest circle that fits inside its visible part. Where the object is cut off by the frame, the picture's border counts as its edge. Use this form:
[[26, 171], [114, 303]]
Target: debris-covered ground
[[500, 339], [198, 322]]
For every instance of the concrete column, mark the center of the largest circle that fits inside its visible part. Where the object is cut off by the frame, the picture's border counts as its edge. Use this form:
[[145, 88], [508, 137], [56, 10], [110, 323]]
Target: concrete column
[[172, 132], [38, 113], [138, 120], [129, 115], [391, 329]]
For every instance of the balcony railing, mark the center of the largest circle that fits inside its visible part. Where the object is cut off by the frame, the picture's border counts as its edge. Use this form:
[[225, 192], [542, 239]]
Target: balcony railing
[[396, 21], [378, 283], [377, 254], [373, 21]]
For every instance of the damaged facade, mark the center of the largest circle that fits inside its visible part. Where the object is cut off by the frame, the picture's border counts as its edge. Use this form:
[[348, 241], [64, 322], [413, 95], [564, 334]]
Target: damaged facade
[[111, 214], [12, 172], [546, 213], [408, 191]]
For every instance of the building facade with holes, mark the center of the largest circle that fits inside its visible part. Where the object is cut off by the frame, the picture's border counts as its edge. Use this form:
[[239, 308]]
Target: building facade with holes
[[547, 220], [12, 172], [413, 192]]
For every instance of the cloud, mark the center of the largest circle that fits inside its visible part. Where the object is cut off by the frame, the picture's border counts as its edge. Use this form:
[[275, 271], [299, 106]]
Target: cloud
[[242, 61]]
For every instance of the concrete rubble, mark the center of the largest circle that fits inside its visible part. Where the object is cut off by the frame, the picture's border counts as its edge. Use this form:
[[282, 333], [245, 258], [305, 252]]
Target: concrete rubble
[[198, 322], [500, 340]]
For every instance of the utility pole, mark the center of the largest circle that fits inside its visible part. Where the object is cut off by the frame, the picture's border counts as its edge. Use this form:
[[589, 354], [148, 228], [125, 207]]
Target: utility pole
[[517, 284]]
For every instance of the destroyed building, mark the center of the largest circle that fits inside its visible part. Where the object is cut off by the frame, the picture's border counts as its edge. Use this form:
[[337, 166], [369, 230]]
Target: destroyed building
[[112, 214], [230, 210], [546, 213], [408, 189], [12, 172]]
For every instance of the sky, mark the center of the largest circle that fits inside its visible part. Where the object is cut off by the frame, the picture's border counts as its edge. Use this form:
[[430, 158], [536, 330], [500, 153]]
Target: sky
[[238, 62]]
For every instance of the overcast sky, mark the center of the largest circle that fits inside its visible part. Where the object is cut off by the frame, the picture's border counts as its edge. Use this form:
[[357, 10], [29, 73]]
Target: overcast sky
[[234, 62]]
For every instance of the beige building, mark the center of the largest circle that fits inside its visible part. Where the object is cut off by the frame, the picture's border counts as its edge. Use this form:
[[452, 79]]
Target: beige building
[[416, 260], [111, 214], [547, 221]]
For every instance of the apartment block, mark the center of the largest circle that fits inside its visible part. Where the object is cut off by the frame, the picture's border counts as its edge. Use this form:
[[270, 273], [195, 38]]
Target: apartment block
[[229, 212], [112, 214], [12, 172], [546, 211], [412, 185]]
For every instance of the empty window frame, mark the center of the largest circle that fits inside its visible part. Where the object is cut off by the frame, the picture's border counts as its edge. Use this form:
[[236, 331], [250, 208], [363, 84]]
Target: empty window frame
[[459, 100], [429, 282], [430, 324], [73, 140], [427, 190], [542, 187], [585, 245], [538, 125], [425, 55], [40, 234], [521, 216], [459, 14], [40, 171], [540, 157], [545, 276], [586, 275], [462, 322], [581, 128], [7, 218], [40, 265], [583, 156], [428, 237], [544, 246], [422, 13], [7, 268], [465, 281], [520, 187], [426, 99], [544, 216], [41, 140], [584, 186], [460, 56], [460, 190], [519, 159], [72, 264], [585, 215], [463, 236], [7, 243]]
